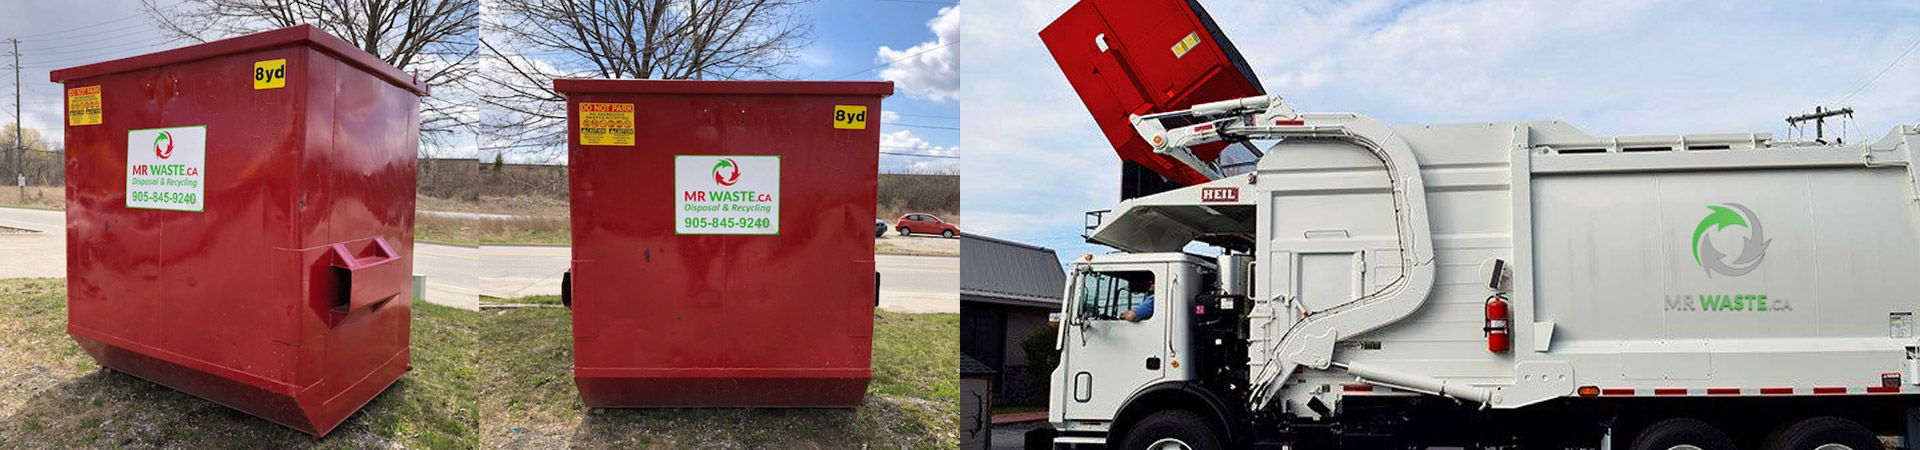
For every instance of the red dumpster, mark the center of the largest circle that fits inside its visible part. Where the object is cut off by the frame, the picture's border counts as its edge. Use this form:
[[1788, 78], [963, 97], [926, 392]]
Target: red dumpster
[[722, 245], [240, 221], [1126, 57]]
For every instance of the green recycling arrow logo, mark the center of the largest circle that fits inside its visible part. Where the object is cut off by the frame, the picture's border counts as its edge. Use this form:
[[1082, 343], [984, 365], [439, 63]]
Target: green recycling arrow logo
[[1751, 253]]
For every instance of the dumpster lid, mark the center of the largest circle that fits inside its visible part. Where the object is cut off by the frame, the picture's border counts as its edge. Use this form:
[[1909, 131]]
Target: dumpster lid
[[707, 87], [298, 34]]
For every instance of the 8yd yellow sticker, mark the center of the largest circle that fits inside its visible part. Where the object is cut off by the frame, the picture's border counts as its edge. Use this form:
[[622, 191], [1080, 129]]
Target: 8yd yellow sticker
[[850, 117], [270, 74]]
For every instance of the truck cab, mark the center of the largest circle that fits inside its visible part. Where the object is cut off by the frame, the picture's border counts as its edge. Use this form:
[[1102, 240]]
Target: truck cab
[[1115, 365]]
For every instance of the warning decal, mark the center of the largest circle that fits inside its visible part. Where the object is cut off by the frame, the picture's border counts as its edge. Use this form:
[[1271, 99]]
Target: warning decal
[[726, 194], [83, 106], [606, 124], [166, 168], [1185, 45]]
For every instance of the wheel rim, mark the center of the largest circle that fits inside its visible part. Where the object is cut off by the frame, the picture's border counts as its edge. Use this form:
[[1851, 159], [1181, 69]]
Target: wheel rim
[[1832, 447], [1174, 444], [1685, 447]]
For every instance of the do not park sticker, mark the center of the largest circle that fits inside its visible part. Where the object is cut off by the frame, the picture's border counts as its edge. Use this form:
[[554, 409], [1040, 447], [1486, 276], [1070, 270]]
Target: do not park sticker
[[166, 168], [726, 194]]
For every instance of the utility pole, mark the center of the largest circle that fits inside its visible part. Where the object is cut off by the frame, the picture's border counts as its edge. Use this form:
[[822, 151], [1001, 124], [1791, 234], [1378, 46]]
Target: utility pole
[[19, 133], [1819, 119]]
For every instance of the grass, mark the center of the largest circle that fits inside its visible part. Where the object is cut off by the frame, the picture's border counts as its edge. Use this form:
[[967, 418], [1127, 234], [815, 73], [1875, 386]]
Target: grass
[[53, 395], [443, 229], [528, 300], [529, 400], [525, 230]]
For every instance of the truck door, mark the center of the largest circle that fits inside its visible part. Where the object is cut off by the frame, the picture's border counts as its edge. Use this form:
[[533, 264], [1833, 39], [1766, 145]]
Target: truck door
[[1109, 358]]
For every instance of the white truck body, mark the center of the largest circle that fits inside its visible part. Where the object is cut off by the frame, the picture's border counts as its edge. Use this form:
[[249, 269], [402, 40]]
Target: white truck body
[[1670, 266]]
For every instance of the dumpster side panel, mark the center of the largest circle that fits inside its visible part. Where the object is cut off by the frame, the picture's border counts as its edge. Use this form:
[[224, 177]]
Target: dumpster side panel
[[667, 319], [370, 190]]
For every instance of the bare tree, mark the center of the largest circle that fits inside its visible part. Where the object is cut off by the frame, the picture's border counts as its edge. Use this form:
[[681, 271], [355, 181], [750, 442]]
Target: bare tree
[[434, 39], [529, 43]]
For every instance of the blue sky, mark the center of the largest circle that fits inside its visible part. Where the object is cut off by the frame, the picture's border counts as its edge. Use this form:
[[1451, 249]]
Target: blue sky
[[1621, 67], [848, 39], [924, 110]]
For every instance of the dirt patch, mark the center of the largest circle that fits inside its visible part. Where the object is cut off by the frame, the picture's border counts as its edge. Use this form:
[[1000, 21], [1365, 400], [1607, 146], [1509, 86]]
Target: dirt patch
[[529, 400], [52, 395], [917, 245]]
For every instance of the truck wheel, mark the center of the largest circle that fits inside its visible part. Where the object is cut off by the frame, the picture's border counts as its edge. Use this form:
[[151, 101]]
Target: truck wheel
[[1172, 430], [1682, 434], [1823, 433]]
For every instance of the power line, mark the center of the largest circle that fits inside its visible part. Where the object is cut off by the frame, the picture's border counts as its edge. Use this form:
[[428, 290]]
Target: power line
[[898, 124], [82, 27], [903, 58], [929, 116], [920, 156], [1883, 71], [142, 35]]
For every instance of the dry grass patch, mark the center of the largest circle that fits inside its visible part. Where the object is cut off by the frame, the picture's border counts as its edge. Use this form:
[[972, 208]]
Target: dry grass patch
[[37, 197]]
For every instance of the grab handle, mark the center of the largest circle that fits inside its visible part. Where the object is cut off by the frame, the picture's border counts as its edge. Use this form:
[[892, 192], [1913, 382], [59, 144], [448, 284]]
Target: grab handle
[[369, 273]]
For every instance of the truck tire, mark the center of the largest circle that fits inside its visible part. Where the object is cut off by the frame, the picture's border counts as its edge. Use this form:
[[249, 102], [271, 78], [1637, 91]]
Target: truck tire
[[1823, 433], [1172, 430], [1682, 434]]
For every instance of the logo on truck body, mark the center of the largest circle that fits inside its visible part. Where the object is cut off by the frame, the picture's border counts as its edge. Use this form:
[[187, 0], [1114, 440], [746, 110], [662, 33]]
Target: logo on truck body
[[1751, 253]]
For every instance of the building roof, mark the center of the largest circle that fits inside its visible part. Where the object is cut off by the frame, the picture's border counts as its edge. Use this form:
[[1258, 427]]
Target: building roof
[[970, 366], [1001, 271]]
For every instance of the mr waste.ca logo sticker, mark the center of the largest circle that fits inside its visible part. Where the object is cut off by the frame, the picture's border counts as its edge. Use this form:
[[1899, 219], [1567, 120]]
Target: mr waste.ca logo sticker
[[726, 172], [160, 151], [1751, 253]]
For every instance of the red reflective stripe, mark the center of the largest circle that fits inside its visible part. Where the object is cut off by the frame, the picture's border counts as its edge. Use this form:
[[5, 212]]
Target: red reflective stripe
[[1883, 389], [1670, 391], [1829, 390], [1776, 391], [1727, 391], [1616, 392], [1281, 122], [1357, 388]]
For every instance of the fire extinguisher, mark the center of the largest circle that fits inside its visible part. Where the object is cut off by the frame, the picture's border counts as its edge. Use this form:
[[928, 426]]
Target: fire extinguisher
[[1499, 332]]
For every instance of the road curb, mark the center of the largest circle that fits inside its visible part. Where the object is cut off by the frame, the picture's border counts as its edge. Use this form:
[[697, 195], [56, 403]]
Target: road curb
[[517, 244], [449, 244]]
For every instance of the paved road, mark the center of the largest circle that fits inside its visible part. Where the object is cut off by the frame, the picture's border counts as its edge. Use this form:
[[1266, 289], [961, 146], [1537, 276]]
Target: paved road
[[450, 270], [33, 255], [915, 284]]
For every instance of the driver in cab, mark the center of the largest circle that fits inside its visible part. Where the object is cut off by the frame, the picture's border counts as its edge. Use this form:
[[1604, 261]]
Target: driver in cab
[[1142, 311]]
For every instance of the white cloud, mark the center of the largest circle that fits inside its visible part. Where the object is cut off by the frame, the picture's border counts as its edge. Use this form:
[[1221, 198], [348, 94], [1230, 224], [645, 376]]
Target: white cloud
[[1037, 161], [930, 70], [895, 146]]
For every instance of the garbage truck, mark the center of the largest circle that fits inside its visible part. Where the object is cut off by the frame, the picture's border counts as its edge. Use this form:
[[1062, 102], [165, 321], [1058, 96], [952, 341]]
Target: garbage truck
[[1352, 284]]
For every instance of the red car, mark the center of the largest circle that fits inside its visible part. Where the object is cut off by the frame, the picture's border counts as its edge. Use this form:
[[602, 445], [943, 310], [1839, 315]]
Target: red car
[[925, 223]]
